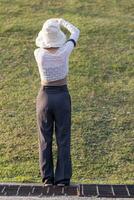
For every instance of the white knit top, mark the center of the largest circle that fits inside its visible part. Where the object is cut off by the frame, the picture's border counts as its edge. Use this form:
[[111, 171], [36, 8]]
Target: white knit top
[[55, 66]]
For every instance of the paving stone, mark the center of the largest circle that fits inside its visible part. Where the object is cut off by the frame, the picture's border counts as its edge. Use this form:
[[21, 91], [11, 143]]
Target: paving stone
[[71, 190], [105, 191], [48, 191], [131, 190], [24, 190], [120, 190], [37, 191], [2, 189], [11, 190], [58, 190], [89, 190]]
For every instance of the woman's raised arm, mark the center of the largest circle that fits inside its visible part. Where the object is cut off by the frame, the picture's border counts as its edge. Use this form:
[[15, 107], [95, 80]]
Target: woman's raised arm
[[75, 32]]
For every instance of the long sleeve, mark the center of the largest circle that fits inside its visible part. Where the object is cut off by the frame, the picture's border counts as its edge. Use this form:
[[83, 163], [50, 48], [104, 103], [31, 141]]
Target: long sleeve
[[39, 59], [75, 32], [71, 28]]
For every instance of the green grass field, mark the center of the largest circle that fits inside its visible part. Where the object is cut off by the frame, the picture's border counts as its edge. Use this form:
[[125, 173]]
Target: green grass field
[[100, 82]]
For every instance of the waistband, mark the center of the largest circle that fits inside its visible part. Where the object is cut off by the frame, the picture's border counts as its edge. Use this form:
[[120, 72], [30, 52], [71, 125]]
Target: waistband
[[55, 88]]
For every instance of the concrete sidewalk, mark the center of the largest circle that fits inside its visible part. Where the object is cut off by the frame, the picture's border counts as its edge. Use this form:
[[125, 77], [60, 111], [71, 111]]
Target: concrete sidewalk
[[60, 198]]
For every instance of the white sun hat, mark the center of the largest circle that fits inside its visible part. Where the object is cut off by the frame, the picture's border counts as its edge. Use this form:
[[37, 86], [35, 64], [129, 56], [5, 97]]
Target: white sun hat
[[50, 35]]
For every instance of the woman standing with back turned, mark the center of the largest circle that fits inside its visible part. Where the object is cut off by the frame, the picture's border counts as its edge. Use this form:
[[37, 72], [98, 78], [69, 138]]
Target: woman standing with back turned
[[53, 102]]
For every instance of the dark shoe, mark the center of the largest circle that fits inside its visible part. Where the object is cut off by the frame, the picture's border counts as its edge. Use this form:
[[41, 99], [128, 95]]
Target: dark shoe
[[65, 182], [48, 182]]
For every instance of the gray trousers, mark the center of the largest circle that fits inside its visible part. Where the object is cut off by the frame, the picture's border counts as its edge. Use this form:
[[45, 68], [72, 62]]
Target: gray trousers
[[53, 110]]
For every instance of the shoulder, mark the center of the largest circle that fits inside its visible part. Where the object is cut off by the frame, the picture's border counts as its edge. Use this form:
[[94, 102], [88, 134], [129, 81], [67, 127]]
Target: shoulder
[[36, 51], [39, 53]]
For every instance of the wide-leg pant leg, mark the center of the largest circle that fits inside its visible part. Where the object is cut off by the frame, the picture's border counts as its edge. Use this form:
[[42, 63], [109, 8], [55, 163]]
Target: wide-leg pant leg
[[45, 122], [62, 115]]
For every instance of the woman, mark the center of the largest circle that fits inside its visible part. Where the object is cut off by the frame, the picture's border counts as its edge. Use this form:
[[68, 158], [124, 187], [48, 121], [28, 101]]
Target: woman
[[53, 103]]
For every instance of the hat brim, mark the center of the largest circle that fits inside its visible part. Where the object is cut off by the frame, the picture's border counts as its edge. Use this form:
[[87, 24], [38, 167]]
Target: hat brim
[[44, 41]]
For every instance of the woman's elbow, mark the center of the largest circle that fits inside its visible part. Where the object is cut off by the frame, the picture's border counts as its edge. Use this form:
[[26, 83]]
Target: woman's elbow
[[77, 33], [77, 30]]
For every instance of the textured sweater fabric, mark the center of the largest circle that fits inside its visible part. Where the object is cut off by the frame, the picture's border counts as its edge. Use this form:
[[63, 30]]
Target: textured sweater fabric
[[55, 66]]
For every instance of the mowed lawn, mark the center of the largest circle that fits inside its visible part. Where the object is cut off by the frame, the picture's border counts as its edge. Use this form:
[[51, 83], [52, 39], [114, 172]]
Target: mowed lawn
[[100, 82]]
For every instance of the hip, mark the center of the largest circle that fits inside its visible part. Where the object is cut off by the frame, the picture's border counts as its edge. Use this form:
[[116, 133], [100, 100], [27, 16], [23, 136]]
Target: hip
[[45, 91], [53, 96]]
